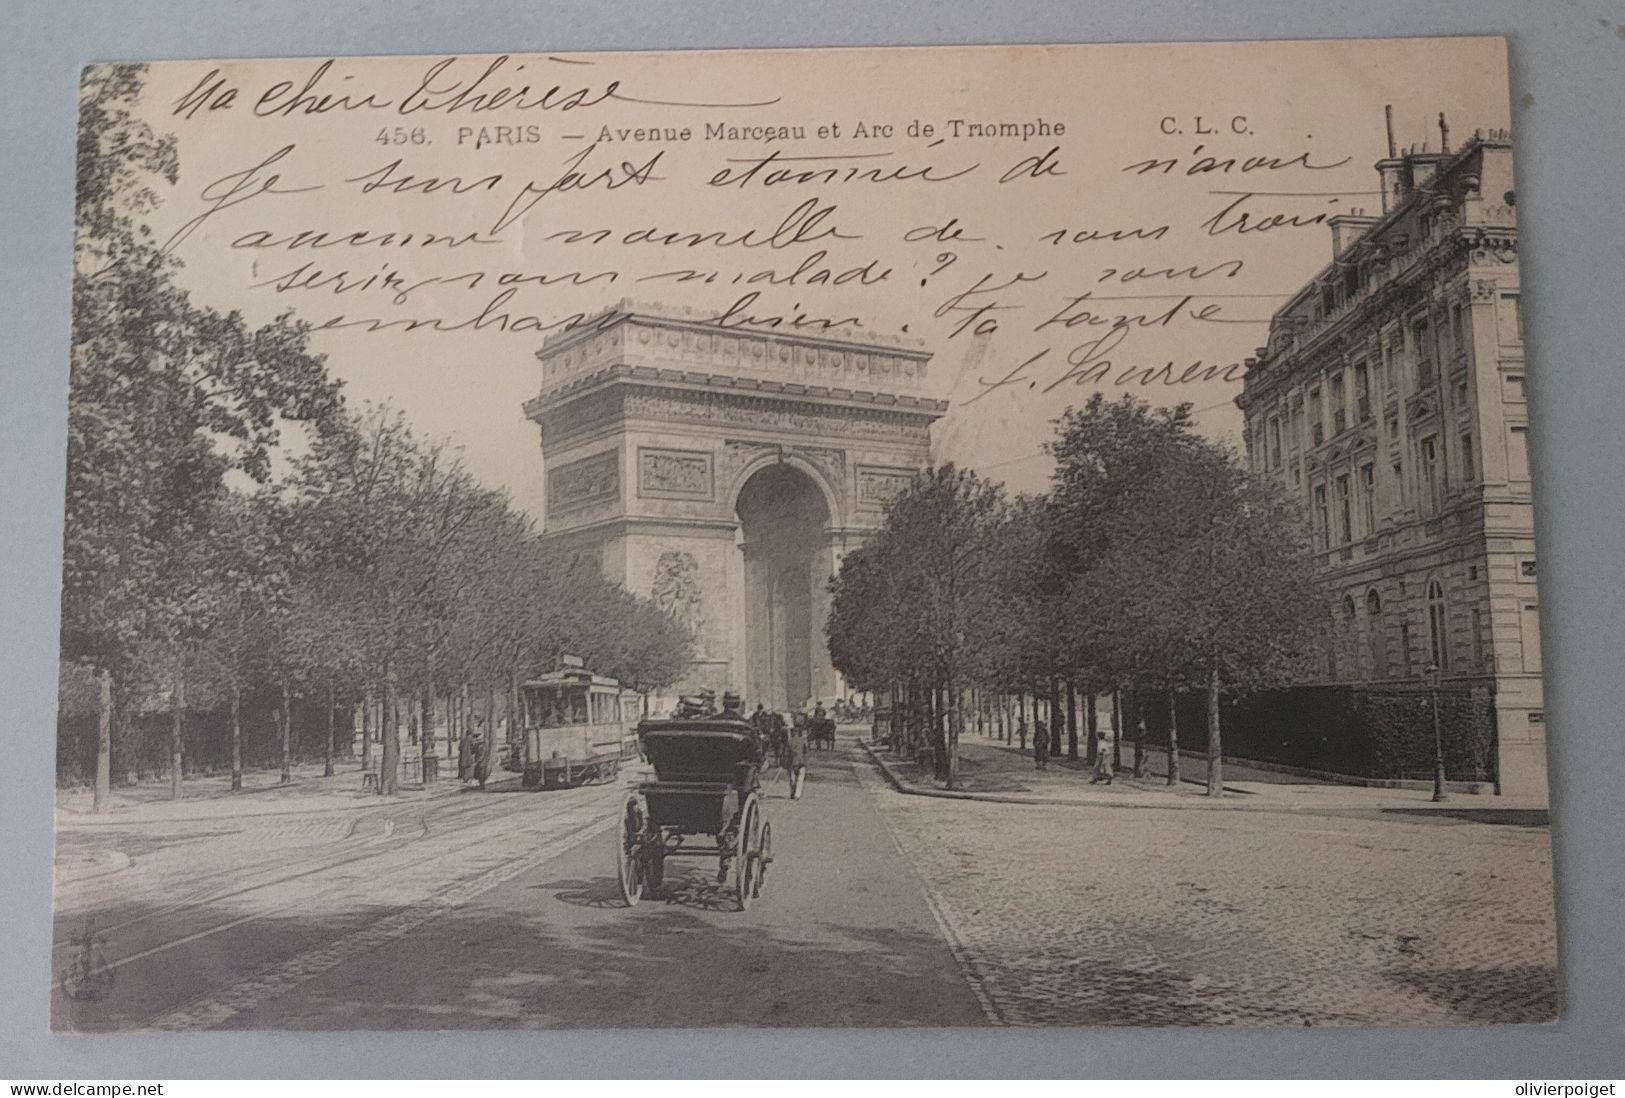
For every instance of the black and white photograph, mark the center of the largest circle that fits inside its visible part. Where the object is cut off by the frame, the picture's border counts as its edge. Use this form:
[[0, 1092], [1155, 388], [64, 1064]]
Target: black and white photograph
[[1030, 536]]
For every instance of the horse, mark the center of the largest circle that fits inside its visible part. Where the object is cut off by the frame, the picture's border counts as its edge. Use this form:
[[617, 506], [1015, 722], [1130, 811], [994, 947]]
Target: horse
[[821, 731]]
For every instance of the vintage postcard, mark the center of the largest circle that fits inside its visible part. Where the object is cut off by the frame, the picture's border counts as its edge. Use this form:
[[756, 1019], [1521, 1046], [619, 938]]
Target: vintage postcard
[[1028, 535]]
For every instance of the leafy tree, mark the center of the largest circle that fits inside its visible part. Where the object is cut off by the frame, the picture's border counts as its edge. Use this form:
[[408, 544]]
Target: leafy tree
[[166, 398], [938, 550]]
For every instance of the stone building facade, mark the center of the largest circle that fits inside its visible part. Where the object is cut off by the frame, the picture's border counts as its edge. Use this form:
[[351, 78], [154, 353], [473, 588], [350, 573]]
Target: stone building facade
[[725, 473], [1390, 399]]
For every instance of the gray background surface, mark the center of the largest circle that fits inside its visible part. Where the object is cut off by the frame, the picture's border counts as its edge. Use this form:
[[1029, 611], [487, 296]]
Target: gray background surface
[[1568, 92]]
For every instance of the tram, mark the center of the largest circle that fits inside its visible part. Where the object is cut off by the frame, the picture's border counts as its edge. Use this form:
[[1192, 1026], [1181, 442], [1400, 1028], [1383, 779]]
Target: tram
[[574, 727]]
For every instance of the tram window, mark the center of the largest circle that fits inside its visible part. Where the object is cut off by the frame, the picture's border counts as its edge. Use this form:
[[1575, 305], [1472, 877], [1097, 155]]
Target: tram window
[[578, 707]]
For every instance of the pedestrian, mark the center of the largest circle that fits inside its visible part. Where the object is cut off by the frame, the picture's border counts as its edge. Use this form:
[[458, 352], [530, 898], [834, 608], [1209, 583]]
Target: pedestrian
[[1021, 732], [481, 754], [1103, 760], [795, 760], [1041, 745], [465, 756]]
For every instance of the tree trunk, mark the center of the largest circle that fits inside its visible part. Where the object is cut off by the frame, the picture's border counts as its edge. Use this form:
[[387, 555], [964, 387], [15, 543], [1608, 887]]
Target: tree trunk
[[327, 752], [1139, 736], [1215, 765], [104, 743], [176, 743], [1117, 728], [515, 735], [366, 732], [1071, 721], [287, 733], [426, 719], [389, 776], [236, 737], [1091, 727], [956, 717], [1173, 737]]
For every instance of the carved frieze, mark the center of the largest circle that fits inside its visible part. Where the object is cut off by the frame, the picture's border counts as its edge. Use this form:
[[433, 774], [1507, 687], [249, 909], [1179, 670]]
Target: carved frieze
[[784, 415], [675, 474], [580, 483], [877, 484]]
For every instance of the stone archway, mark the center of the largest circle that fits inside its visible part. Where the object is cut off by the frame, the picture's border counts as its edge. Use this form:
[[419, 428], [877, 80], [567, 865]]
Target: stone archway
[[784, 526]]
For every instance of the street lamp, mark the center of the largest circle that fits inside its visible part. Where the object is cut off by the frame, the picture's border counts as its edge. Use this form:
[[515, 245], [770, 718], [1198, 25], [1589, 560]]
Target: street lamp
[[1438, 737]]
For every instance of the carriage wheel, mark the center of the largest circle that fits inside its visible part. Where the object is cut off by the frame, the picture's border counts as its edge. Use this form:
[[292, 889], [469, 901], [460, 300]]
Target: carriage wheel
[[764, 858], [631, 865], [747, 850]]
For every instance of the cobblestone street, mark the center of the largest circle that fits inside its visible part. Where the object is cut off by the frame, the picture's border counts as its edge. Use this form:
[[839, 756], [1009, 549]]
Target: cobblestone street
[[449, 909], [1068, 915]]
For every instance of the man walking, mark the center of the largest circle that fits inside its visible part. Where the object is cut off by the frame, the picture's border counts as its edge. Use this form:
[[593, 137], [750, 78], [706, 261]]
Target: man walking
[[1103, 760], [1041, 745]]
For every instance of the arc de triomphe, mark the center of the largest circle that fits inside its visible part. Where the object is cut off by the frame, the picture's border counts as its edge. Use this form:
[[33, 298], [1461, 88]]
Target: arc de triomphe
[[725, 473]]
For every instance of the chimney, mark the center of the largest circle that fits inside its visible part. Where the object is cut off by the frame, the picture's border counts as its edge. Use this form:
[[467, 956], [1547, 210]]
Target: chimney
[[1346, 229], [1391, 170]]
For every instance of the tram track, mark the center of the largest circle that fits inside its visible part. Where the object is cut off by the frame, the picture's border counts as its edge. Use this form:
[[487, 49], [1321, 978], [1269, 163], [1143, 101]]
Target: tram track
[[473, 817], [266, 863]]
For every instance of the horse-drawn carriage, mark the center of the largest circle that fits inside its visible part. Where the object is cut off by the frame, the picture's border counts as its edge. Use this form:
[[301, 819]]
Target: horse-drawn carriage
[[819, 728], [707, 783]]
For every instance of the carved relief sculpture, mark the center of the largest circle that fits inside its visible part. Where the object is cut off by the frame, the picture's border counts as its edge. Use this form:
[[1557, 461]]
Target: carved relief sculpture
[[676, 591], [677, 474], [582, 482]]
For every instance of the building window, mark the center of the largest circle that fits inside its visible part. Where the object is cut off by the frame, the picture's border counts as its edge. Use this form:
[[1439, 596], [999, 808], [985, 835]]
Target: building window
[[1405, 664], [1362, 392], [1399, 483], [1529, 629], [1345, 513], [1438, 627], [1376, 635], [1430, 474], [1469, 472], [1509, 319], [1457, 335], [1478, 638], [1422, 348], [1518, 453], [1322, 519], [1339, 407], [1317, 429], [1275, 442], [1368, 496]]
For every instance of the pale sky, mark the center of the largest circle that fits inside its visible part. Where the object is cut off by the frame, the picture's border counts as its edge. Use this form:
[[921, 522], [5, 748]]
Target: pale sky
[[1296, 103]]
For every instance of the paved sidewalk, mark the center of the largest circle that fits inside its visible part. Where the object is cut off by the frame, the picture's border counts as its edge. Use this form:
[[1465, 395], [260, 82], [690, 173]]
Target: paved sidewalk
[[210, 796], [993, 771]]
